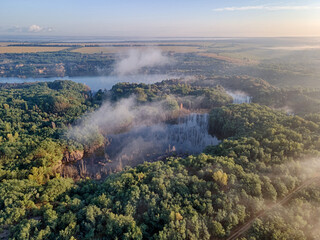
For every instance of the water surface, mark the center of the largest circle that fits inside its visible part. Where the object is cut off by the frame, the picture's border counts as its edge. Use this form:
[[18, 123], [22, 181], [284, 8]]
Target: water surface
[[96, 82]]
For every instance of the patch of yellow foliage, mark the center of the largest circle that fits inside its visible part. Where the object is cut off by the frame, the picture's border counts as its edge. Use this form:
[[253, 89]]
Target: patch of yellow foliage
[[220, 177]]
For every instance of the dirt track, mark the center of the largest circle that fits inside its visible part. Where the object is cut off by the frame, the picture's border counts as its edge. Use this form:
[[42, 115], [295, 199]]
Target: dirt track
[[238, 232]]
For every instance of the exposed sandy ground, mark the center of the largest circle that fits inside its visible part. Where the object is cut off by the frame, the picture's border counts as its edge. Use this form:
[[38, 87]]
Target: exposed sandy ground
[[29, 49]]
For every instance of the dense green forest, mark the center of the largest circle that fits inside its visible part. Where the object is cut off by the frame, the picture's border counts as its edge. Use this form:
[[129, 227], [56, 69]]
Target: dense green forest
[[265, 155], [32, 118], [192, 97], [296, 100]]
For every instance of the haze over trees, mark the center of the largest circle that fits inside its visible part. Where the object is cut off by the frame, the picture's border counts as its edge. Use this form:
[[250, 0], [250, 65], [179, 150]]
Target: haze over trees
[[182, 120], [265, 154]]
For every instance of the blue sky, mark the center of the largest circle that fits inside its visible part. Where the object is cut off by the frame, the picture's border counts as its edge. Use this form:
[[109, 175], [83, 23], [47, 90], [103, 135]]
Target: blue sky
[[165, 18]]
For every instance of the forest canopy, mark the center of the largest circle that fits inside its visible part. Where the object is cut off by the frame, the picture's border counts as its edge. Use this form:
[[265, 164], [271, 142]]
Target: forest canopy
[[263, 157]]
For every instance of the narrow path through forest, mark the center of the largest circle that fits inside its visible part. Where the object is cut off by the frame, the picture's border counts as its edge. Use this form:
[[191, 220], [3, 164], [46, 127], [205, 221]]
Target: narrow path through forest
[[238, 232]]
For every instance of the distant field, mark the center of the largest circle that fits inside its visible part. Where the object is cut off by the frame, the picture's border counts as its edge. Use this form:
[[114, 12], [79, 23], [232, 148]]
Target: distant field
[[106, 47], [134, 43], [29, 49], [176, 49], [234, 60], [2, 44]]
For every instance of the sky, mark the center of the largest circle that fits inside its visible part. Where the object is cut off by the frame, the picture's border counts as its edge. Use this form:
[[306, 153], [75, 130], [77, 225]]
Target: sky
[[164, 18]]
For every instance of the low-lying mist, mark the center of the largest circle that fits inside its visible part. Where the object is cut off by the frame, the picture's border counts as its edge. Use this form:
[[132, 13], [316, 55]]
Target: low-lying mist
[[111, 117], [127, 133], [188, 135], [134, 60], [239, 97]]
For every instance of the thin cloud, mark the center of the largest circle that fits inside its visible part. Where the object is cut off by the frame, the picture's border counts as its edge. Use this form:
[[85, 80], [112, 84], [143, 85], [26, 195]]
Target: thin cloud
[[31, 29], [16, 29], [268, 8], [36, 28]]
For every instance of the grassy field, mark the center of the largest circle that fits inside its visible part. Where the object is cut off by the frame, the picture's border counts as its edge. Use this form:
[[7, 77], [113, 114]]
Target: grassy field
[[221, 51], [230, 59], [235, 52], [21, 49], [112, 49], [155, 43]]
